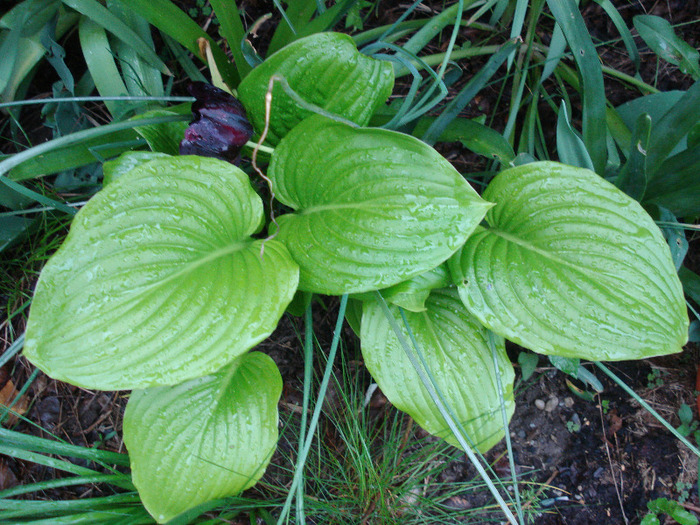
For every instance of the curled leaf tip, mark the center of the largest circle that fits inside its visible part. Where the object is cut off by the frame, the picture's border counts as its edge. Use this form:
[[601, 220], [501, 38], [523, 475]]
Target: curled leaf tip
[[219, 127]]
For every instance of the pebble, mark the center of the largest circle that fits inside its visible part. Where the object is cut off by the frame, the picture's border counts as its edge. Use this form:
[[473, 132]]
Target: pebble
[[568, 402], [540, 404], [551, 404]]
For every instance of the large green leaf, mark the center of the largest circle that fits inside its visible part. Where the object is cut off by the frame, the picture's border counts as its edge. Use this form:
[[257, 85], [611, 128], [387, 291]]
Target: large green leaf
[[455, 347], [325, 70], [373, 207], [158, 280], [571, 266], [208, 438]]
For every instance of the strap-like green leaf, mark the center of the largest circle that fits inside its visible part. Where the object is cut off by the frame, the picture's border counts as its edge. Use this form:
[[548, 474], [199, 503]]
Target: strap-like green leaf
[[455, 347], [567, 15], [325, 70], [373, 207], [662, 39], [572, 266], [205, 439], [158, 281]]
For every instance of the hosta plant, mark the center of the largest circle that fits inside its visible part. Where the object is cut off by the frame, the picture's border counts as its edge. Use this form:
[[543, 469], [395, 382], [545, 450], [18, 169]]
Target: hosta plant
[[172, 274]]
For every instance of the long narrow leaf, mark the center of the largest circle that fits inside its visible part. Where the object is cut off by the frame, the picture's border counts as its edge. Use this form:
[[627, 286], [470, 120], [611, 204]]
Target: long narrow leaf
[[569, 18], [231, 28], [47, 446], [517, 26], [465, 96], [622, 28], [172, 21], [299, 13], [570, 147], [102, 16], [672, 127], [103, 68]]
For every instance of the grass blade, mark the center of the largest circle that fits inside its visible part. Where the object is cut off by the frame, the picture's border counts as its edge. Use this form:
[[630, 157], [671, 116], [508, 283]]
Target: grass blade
[[517, 26]]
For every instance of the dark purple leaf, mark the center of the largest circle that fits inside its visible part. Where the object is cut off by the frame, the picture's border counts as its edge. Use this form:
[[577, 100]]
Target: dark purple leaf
[[219, 127]]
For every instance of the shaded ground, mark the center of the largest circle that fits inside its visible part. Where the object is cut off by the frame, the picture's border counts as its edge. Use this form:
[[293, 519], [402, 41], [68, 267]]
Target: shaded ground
[[585, 461]]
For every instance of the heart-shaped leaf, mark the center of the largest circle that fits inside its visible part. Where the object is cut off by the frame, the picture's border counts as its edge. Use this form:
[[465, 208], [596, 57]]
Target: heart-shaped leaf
[[373, 207], [205, 439], [571, 266], [455, 347], [324, 69], [158, 281]]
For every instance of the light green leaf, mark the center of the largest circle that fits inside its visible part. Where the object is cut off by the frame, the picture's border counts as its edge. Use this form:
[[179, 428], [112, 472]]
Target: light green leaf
[[412, 294], [325, 70], [571, 266], [126, 162], [158, 280], [373, 207], [455, 347], [662, 39], [165, 137], [208, 438]]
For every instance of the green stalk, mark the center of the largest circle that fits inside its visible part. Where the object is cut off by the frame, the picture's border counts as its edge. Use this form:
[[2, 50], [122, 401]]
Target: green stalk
[[79, 136], [93, 99], [509, 446], [299, 472], [308, 368]]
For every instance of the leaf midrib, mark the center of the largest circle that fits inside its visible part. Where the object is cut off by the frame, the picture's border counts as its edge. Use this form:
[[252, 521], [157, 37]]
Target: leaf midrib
[[196, 263]]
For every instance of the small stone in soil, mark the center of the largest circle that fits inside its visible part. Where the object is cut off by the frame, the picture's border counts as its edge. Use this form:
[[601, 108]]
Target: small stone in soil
[[539, 404], [551, 404], [568, 402]]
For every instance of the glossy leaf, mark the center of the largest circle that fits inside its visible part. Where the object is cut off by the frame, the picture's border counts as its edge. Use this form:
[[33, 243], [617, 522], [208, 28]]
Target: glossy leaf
[[158, 281], [571, 266], [325, 70], [412, 294], [208, 438], [372, 207], [455, 347], [126, 162], [165, 137]]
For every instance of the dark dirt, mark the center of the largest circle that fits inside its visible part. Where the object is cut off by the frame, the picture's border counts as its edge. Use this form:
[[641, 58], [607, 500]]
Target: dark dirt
[[588, 462]]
